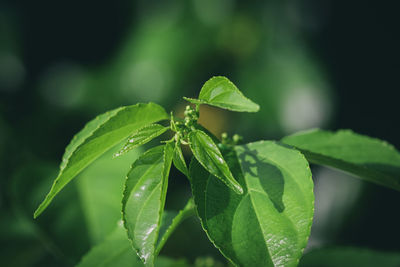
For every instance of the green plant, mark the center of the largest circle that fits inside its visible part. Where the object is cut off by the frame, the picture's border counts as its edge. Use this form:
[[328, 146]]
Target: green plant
[[255, 201]]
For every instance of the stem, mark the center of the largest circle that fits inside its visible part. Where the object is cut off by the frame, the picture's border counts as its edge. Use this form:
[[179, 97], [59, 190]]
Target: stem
[[183, 214]]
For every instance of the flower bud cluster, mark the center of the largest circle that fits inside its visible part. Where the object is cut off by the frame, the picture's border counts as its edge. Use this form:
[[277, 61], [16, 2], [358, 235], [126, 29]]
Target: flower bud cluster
[[183, 127], [227, 142], [191, 116]]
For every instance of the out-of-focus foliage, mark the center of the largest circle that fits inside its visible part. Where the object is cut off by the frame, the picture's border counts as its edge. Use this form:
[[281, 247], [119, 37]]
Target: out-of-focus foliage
[[348, 257], [369, 158]]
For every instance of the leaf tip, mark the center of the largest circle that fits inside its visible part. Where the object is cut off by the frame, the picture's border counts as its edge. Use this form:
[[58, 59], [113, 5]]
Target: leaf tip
[[256, 107], [37, 212], [238, 190], [45, 203]]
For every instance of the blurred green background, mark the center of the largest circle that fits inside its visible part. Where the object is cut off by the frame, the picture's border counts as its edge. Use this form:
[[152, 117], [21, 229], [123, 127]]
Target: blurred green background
[[309, 63]]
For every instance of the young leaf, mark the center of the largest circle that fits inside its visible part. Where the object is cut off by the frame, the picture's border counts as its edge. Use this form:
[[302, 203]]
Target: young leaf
[[270, 223], [97, 137], [171, 221], [348, 256], [179, 160], [141, 137], [209, 156], [144, 198], [221, 92], [166, 220], [369, 158]]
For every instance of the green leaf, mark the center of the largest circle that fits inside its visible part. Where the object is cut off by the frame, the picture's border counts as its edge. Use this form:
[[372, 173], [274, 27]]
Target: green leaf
[[369, 158], [87, 130], [219, 91], [141, 137], [179, 160], [349, 257], [144, 199], [209, 156], [270, 223], [97, 137], [116, 250]]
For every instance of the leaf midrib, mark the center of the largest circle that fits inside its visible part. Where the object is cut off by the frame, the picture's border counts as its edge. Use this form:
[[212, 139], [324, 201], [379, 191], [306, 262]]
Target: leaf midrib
[[252, 201], [255, 212], [210, 176]]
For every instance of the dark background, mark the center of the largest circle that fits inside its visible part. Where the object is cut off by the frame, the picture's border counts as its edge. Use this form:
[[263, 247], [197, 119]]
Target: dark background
[[328, 64]]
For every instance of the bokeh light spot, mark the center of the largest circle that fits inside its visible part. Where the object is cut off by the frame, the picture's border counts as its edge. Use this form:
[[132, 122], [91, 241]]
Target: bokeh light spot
[[304, 108], [145, 81], [63, 85], [12, 72]]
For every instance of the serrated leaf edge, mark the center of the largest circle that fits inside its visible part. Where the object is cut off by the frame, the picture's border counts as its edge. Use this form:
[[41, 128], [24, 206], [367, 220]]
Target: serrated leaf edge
[[257, 107], [223, 179], [125, 197], [312, 188], [201, 219], [156, 134], [178, 150]]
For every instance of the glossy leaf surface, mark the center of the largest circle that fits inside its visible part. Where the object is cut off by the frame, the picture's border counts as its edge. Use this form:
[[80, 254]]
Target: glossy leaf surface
[[144, 199], [141, 137], [219, 91], [350, 257], [116, 250], [97, 137], [209, 156], [179, 160], [270, 223], [369, 158]]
